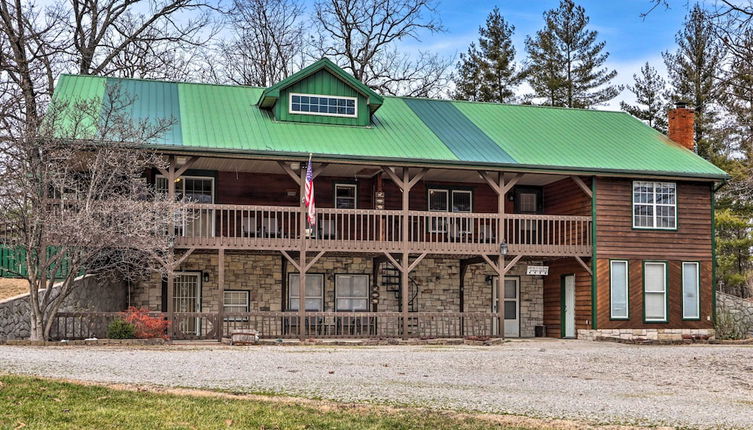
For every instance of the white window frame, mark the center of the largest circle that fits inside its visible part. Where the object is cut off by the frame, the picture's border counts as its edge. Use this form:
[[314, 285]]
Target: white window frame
[[289, 296], [183, 184], [295, 112], [225, 305], [653, 205], [697, 309], [355, 193], [664, 293], [451, 208], [436, 224], [612, 314], [338, 296]]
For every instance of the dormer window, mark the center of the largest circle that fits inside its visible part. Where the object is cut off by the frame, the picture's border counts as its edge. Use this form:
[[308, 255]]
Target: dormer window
[[310, 104]]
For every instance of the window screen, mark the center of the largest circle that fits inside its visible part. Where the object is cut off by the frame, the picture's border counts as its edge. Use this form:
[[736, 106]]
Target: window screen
[[314, 292], [352, 292], [618, 276], [655, 291], [654, 205]]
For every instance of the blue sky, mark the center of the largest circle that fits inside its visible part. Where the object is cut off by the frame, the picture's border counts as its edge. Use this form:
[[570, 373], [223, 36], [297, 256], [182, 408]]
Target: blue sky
[[630, 39]]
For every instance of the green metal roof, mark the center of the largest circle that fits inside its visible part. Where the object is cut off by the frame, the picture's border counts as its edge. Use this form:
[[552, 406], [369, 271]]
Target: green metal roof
[[216, 118]]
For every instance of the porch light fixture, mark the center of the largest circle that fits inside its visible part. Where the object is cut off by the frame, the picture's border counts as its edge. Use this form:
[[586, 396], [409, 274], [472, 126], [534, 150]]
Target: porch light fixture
[[206, 277], [295, 165], [503, 248], [181, 160]]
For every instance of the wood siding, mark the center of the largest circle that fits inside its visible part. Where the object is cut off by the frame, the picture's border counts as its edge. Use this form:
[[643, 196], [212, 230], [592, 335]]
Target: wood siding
[[617, 239], [553, 296], [635, 294], [565, 197]]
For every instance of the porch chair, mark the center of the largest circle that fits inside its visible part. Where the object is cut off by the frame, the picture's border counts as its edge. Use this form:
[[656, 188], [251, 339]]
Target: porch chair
[[486, 234], [269, 228], [327, 229]]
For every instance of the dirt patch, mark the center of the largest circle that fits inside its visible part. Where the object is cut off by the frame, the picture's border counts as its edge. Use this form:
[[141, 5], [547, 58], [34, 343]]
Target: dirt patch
[[327, 406], [12, 287]]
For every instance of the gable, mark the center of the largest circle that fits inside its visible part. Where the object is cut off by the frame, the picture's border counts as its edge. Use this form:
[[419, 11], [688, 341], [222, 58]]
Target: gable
[[317, 87]]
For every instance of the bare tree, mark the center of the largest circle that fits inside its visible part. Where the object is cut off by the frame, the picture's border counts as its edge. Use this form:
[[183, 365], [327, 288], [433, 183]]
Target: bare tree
[[104, 31], [267, 45], [362, 37], [30, 47], [75, 201]]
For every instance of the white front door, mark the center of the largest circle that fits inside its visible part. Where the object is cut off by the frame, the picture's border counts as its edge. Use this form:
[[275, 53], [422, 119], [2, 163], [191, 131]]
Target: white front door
[[512, 306], [569, 305]]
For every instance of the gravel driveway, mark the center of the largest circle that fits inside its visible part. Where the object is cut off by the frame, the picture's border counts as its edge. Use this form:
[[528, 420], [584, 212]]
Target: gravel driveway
[[697, 386]]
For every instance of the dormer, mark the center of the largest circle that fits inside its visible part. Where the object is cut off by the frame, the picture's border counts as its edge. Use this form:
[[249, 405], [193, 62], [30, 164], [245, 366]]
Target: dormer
[[321, 93]]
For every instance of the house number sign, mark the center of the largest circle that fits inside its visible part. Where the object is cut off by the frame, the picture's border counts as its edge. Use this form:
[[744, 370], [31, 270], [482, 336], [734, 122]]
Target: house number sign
[[537, 270]]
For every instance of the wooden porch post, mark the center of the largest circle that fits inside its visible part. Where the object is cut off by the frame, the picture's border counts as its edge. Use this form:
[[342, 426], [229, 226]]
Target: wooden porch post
[[171, 254], [404, 279], [501, 260], [302, 259], [221, 285]]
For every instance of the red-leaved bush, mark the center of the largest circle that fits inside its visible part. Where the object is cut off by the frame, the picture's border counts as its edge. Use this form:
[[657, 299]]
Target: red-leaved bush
[[147, 326]]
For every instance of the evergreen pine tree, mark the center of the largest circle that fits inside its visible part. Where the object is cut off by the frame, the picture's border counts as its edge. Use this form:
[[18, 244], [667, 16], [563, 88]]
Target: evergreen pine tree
[[693, 70], [566, 63], [468, 76], [649, 89], [488, 73]]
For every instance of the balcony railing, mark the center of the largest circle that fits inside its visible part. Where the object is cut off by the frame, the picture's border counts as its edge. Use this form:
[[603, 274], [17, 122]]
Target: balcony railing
[[365, 230]]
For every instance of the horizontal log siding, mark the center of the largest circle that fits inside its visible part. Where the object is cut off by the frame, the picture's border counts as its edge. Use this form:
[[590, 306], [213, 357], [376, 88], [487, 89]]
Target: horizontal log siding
[[553, 299], [565, 197], [617, 239], [635, 294]]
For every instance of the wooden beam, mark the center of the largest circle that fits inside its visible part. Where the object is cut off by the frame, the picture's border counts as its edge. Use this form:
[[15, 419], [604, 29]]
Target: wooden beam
[[186, 166], [585, 266], [319, 169], [183, 258], [291, 260], [290, 172], [511, 263], [393, 176], [416, 261], [490, 181], [163, 172], [393, 261], [472, 260], [417, 178], [314, 260], [490, 262], [586, 189], [508, 186]]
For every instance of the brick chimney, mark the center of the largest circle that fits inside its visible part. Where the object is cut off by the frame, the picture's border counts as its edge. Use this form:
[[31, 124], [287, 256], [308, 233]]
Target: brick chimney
[[681, 125]]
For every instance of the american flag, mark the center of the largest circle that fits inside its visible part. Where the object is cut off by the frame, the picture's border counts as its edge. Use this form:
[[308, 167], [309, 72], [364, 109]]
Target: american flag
[[309, 197]]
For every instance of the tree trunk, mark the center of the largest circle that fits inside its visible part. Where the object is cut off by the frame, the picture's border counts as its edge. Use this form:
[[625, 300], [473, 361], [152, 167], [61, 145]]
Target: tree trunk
[[37, 331]]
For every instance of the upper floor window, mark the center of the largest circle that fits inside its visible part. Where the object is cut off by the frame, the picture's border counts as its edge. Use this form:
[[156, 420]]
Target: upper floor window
[[323, 105], [195, 189], [345, 196], [655, 205]]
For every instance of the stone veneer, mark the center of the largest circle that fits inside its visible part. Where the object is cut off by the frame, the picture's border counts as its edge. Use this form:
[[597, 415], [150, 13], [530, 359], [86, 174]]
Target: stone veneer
[[437, 280], [647, 335]]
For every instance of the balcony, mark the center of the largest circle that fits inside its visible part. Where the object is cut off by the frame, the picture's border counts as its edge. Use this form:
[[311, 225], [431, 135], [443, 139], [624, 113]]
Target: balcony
[[376, 231]]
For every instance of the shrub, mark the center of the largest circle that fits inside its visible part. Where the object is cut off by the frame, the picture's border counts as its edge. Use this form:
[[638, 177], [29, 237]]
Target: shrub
[[728, 327], [119, 329], [146, 326]]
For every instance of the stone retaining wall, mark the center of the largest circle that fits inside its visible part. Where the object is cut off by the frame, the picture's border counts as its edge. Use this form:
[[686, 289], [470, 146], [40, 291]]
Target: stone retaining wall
[[657, 335], [90, 295], [739, 310]]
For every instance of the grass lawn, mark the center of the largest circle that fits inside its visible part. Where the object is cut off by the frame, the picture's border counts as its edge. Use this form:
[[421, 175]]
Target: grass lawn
[[33, 403]]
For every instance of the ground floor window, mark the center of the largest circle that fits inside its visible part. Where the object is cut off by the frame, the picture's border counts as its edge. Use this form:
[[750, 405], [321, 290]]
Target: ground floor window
[[235, 301], [314, 294], [352, 293], [618, 279], [655, 291], [691, 304]]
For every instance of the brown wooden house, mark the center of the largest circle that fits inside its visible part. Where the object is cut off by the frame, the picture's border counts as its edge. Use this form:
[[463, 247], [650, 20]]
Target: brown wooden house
[[597, 224]]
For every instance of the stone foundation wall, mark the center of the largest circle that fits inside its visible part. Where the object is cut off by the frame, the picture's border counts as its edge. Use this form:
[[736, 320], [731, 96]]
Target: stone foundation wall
[[739, 310], [647, 335], [437, 280], [90, 295]]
